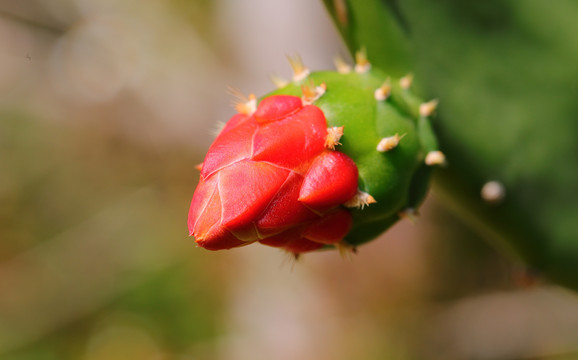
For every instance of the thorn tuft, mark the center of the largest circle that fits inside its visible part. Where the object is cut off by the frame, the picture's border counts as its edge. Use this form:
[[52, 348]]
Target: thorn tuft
[[428, 108], [362, 65], [311, 92], [360, 200], [435, 158], [389, 143], [383, 92], [246, 105], [291, 258], [406, 81], [346, 250], [410, 214], [300, 71], [278, 81], [342, 66], [334, 134]]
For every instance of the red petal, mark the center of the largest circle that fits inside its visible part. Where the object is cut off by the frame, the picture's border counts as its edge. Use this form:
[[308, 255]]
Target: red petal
[[301, 245], [292, 241], [205, 210], [283, 238], [284, 210], [246, 188], [330, 181], [292, 142], [246, 233], [205, 218], [232, 145], [277, 107], [220, 239], [331, 229]]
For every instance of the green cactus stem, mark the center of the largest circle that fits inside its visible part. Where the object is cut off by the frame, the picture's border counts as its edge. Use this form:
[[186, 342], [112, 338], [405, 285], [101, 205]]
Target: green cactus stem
[[506, 74], [385, 130]]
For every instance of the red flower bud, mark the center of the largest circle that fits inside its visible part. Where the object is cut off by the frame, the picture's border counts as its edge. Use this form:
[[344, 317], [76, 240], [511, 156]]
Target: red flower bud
[[269, 177]]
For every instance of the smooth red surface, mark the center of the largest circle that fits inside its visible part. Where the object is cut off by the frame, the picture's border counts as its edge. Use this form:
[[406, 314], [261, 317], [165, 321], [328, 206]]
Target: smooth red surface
[[284, 210], [330, 181], [268, 177], [276, 108], [330, 229], [298, 139]]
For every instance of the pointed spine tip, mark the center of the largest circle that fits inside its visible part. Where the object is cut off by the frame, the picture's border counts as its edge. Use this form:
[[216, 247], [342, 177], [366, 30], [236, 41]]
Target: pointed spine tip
[[428, 108], [493, 192], [199, 167], [435, 157], [300, 71], [406, 81], [389, 143], [334, 134], [341, 65], [383, 92], [362, 65], [360, 200]]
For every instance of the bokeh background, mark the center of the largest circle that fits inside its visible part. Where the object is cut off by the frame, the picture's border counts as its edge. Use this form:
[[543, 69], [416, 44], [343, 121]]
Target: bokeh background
[[105, 108]]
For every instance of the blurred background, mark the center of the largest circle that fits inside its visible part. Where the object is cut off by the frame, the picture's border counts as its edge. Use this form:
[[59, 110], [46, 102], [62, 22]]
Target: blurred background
[[105, 108]]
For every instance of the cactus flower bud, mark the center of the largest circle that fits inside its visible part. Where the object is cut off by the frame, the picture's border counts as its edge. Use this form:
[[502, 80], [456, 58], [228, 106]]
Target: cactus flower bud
[[269, 177], [298, 170]]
